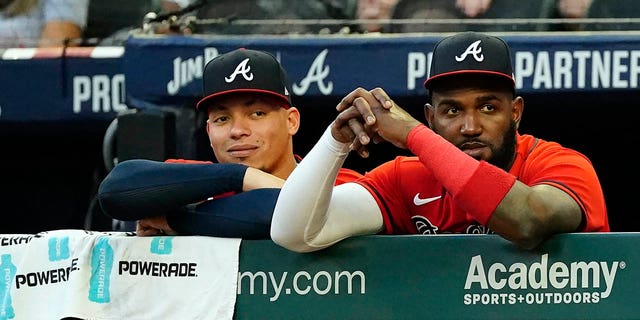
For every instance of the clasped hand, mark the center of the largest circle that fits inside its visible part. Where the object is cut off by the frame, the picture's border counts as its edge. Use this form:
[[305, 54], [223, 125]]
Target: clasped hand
[[367, 116]]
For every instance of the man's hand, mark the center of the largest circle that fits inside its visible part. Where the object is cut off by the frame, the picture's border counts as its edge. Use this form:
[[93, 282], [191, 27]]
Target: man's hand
[[356, 119], [393, 124], [154, 226], [371, 116]]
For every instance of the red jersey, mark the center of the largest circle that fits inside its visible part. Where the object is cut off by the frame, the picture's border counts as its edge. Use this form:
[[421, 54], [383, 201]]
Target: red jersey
[[413, 201]]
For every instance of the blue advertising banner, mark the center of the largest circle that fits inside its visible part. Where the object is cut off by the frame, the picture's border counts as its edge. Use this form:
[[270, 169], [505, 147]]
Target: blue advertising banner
[[49, 85], [163, 70], [84, 84]]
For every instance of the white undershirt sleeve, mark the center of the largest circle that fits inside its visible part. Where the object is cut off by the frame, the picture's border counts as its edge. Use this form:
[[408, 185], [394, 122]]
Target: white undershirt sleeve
[[311, 214]]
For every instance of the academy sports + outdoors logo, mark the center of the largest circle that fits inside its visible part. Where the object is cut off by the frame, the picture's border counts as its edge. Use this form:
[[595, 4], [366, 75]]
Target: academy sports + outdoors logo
[[541, 282]]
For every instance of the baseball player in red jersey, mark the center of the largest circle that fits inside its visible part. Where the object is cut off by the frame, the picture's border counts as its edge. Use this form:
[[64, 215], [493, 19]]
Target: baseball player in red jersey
[[251, 122], [473, 171]]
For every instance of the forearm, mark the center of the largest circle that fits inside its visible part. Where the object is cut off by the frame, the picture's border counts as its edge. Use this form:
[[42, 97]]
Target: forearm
[[310, 214], [530, 214], [257, 179], [305, 196], [476, 186], [136, 189], [244, 215], [523, 214]]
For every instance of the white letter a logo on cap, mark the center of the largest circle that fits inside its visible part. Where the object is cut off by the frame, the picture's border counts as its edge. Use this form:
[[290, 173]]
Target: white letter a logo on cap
[[242, 69], [475, 50]]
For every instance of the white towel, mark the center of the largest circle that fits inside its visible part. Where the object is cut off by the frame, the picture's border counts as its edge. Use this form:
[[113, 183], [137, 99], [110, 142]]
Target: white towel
[[96, 275]]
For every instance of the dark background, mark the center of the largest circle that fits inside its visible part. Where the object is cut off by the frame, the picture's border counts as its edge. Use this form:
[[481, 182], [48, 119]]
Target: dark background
[[50, 172]]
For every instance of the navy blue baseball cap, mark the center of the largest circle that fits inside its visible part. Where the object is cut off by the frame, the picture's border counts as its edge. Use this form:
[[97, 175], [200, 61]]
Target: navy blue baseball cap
[[470, 53], [244, 70]]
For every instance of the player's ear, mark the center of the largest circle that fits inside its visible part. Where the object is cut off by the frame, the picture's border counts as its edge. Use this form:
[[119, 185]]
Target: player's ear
[[293, 120], [429, 112], [517, 108]]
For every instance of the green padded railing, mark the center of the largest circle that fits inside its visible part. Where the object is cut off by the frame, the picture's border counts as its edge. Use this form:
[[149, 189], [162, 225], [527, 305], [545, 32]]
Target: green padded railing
[[571, 276]]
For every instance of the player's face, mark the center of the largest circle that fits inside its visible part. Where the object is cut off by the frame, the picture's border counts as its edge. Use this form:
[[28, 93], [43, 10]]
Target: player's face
[[481, 122], [254, 130]]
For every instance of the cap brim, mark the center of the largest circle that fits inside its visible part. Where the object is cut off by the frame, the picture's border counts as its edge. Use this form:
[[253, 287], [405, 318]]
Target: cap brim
[[210, 97], [469, 71]]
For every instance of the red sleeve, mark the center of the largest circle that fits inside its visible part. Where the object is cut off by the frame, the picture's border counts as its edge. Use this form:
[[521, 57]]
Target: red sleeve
[[186, 161], [573, 173], [347, 175]]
